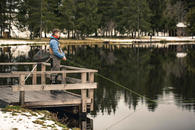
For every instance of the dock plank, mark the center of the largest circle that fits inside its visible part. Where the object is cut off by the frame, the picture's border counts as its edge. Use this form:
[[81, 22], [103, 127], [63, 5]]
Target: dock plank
[[40, 98]]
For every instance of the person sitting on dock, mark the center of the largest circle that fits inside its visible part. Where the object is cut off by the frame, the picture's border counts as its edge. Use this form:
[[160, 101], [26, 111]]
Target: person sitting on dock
[[56, 54]]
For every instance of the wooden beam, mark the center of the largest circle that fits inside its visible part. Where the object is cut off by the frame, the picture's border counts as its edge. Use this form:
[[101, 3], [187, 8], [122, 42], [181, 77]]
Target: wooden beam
[[63, 78], [64, 66], [91, 91], [84, 92], [84, 125], [73, 80], [8, 75], [43, 68], [54, 103], [22, 93], [18, 63], [54, 87], [69, 67], [69, 102], [34, 78], [53, 72]]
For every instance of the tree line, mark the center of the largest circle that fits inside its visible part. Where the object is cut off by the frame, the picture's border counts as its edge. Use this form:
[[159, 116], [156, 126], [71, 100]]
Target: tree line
[[100, 18]]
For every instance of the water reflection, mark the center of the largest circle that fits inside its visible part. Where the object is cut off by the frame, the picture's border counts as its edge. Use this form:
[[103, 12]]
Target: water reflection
[[156, 73], [146, 71]]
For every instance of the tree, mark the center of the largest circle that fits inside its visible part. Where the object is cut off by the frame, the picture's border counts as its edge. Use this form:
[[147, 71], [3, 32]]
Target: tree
[[157, 7], [3, 16], [86, 17], [133, 17], [67, 18], [29, 17], [107, 14], [50, 18], [191, 21]]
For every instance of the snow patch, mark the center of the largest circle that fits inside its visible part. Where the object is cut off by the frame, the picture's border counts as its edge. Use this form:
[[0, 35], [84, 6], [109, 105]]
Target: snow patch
[[18, 42], [25, 121]]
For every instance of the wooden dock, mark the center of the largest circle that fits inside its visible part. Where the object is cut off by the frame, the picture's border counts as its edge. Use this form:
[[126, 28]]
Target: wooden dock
[[38, 95]]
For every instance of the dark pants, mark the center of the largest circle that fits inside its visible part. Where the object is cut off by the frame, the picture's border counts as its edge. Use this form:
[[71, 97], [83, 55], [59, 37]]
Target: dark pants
[[55, 66]]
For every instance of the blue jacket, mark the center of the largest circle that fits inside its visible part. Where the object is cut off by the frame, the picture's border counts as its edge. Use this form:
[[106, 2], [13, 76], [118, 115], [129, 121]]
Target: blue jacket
[[54, 45]]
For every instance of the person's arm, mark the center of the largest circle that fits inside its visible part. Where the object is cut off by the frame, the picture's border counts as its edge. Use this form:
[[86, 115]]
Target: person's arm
[[55, 49]]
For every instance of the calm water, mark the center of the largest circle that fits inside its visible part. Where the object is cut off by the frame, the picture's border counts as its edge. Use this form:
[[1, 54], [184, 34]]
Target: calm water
[[156, 73]]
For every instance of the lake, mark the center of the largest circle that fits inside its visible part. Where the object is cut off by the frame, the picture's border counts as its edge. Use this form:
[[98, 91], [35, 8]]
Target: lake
[[143, 88]]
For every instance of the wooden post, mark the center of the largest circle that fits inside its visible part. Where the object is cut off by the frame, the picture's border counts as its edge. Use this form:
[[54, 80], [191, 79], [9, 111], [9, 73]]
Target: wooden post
[[34, 79], [43, 68], [84, 125], [84, 92], [22, 93], [63, 78], [91, 91]]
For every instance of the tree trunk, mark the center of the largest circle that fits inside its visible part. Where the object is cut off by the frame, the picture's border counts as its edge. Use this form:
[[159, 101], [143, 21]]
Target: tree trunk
[[96, 33], [115, 33], [135, 34], [68, 34], [1, 32], [45, 33]]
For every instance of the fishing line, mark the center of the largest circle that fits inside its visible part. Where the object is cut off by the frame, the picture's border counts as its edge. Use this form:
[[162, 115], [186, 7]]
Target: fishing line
[[122, 119], [126, 88], [122, 86], [118, 84]]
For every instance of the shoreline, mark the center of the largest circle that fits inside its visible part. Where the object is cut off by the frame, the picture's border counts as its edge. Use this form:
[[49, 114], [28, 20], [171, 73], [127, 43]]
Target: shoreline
[[4, 42], [15, 117]]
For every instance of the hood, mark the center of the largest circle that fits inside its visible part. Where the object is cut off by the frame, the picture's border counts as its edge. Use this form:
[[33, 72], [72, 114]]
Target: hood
[[52, 37]]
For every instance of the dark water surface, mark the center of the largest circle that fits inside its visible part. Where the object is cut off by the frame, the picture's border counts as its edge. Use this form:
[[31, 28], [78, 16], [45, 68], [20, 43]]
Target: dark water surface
[[162, 75]]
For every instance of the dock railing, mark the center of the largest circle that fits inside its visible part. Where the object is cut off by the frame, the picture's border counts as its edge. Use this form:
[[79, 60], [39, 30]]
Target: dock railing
[[86, 82]]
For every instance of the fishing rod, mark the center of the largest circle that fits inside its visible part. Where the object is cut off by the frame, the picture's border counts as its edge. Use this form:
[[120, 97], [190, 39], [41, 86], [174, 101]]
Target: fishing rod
[[34, 69]]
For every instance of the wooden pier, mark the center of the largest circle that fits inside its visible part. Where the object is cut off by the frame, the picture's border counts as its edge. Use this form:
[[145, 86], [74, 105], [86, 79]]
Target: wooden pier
[[38, 95]]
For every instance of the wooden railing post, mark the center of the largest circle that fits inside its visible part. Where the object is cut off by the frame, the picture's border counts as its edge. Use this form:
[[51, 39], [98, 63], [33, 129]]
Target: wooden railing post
[[84, 92], [22, 93], [43, 68], [34, 79], [91, 91], [64, 78]]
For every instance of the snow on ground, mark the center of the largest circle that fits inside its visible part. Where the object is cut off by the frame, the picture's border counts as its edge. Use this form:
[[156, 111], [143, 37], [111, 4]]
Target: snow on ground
[[22, 42], [26, 121], [145, 39], [174, 38], [116, 40]]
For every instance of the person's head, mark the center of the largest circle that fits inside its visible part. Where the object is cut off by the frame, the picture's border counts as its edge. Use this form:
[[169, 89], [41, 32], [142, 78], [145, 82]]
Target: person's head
[[56, 32]]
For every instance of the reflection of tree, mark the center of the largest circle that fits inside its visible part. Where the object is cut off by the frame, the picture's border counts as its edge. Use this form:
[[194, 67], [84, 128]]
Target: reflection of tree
[[146, 71], [183, 84], [140, 70]]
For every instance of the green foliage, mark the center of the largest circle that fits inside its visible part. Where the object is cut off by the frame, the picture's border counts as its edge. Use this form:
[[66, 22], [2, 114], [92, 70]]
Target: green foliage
[[83, 18], [134, 16], [7, 14], [3, 16], [191, 20], [157, 7], [67, 11], [86, 18]]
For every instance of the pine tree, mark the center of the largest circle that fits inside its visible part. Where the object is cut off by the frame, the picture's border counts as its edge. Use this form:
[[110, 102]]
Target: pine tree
[[191, 19], [107, 14], [3, 16], [49, 15], [67, 18], [133, 17], [86, 18], [157, 7]]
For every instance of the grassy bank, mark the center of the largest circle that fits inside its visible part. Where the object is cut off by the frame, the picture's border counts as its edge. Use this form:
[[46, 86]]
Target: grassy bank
[[22, 117], [99, 40]]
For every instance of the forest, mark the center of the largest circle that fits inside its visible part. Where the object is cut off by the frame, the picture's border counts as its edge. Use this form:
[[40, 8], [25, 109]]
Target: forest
[[97, 18]]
